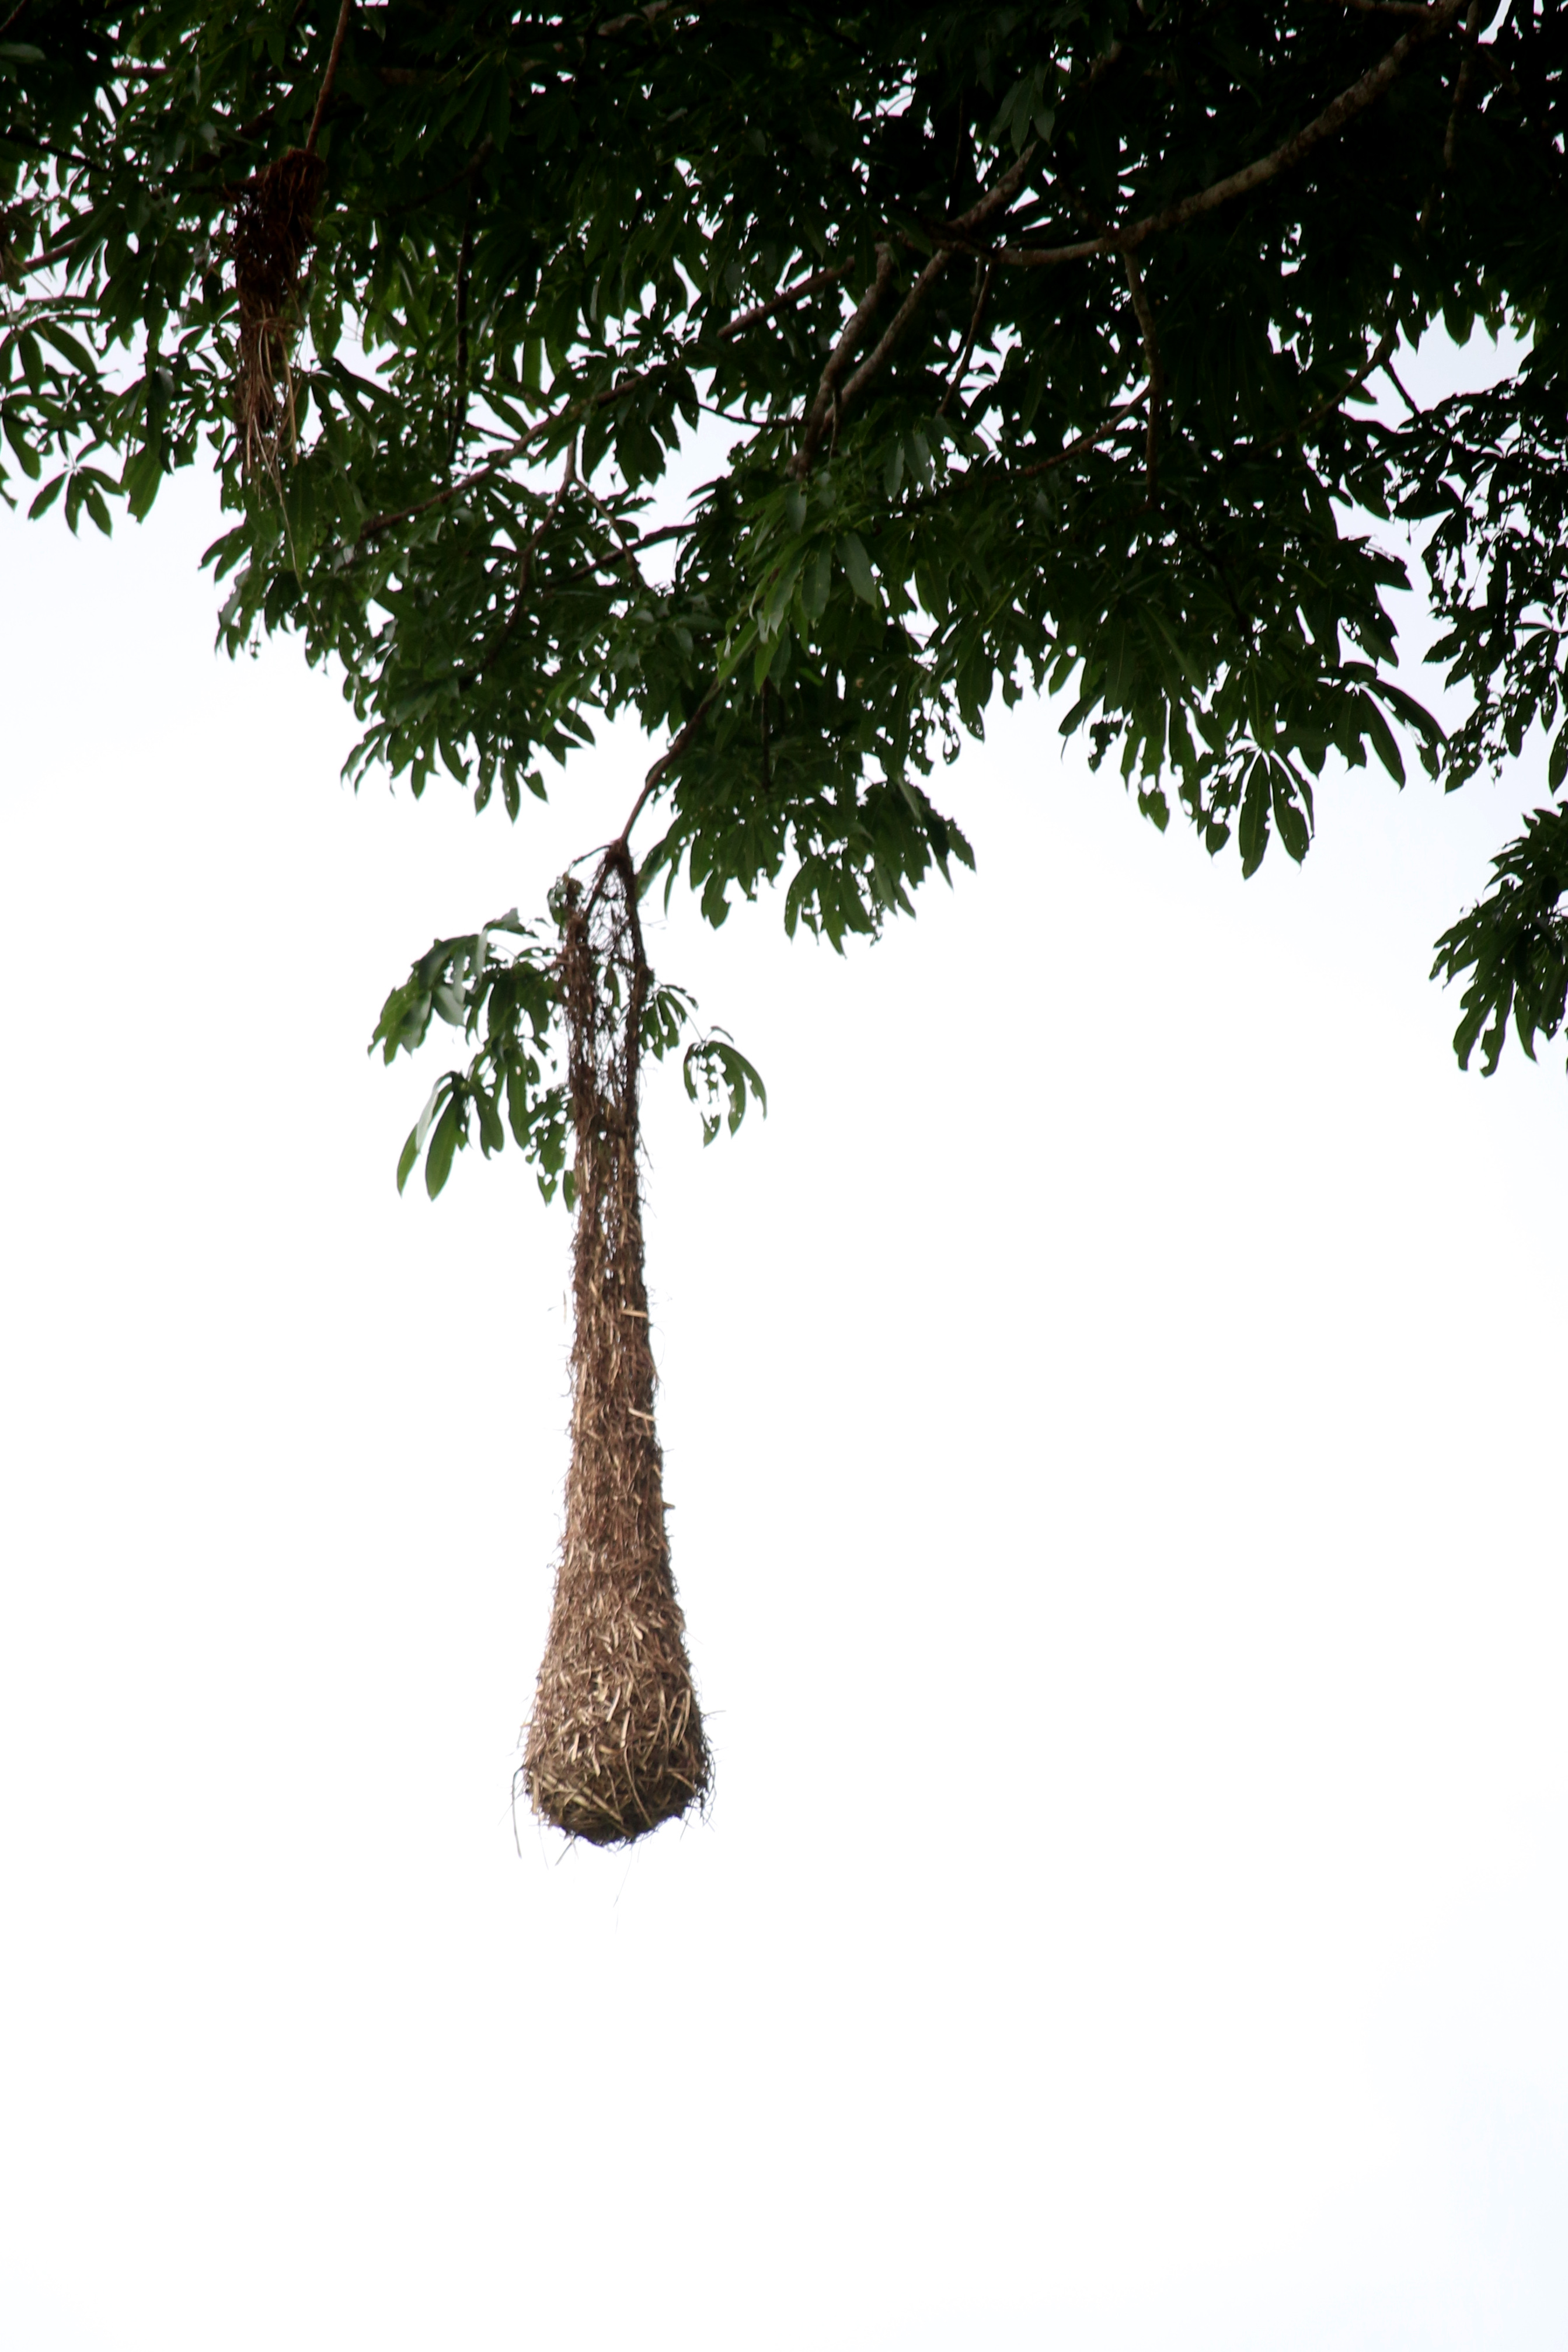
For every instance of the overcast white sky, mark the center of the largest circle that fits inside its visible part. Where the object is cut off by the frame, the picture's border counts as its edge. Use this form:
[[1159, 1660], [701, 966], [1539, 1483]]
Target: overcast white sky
[[1113, 1409]]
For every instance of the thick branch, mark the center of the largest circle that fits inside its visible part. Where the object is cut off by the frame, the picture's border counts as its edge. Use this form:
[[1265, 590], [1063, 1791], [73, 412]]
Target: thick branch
[[825, 405], [829, 401], [616, 851], [1351, 103]]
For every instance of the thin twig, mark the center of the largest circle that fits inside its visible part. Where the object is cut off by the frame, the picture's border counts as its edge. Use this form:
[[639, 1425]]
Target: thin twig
[[796, 293], [956, 378], [632, 549], [441, 498], [1472, 27], [330, 77], [464, 264], [1144, 309], [1382, 354], [629, 543], [1086, 440], [1414, 406], [19, 10], [525, 574]]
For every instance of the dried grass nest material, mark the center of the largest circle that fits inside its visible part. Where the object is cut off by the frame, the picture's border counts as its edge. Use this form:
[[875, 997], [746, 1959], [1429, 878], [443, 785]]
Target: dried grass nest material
[[615, 1744], [274, 220]]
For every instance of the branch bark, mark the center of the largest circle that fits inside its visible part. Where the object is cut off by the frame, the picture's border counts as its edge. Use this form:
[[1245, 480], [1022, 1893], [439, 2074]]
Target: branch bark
[[1341, 110], [832, 403], [796, 293], [615, 851], [330, 77], [826, 403], [1113, 417]]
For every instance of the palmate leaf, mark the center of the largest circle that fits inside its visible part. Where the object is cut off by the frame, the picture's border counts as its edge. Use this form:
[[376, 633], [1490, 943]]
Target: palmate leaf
[[1514, 944], [500, 987], [1043, 339]]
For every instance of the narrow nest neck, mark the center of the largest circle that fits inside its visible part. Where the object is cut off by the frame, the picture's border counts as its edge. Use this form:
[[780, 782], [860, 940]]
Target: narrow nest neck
[[615, 1744]]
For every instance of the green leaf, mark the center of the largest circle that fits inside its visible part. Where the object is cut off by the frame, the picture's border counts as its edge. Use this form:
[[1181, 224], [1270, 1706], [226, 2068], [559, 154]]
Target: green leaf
[[449, 1133], [857, 569], [27, 455], [1253, 831], [492, 1135], [51, 331], [1383, 742], [1292, 825]]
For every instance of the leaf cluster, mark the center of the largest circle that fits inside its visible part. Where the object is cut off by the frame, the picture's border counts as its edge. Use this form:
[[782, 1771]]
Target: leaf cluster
[[500, 987], [1038, 339]]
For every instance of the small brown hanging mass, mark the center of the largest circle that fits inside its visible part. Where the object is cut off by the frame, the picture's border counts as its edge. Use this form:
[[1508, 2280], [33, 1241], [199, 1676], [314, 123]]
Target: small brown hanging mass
[[615, 1744]]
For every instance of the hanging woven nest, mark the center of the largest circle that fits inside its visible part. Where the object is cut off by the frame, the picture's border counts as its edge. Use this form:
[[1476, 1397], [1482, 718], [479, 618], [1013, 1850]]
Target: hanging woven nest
[[615, 1744], [274, 220]]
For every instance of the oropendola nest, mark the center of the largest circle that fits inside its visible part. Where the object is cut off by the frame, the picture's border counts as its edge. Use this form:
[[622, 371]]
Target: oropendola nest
[[274, 218], [615, 1744]]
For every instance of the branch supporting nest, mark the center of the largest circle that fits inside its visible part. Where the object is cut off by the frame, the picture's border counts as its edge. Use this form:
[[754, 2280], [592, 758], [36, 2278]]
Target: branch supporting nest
[[615, 1744], [274, 221]]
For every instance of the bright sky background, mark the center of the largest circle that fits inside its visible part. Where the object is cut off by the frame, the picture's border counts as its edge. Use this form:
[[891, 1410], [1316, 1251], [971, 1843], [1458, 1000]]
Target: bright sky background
[[1113, 1412]]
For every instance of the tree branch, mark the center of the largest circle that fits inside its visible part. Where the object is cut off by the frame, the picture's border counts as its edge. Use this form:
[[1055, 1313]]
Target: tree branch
[[1382, 354], [956, 378], [616, 851], [378, 523], [1351, 103], [525, 574], [464, 265], [1143, 311], [826, 400], [795, 293], [829, 400], [1086, 440], [330, 77], [1461, 87]]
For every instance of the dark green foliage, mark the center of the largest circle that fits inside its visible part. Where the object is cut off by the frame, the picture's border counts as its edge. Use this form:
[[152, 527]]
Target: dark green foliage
[[547, 244], [483, 982]]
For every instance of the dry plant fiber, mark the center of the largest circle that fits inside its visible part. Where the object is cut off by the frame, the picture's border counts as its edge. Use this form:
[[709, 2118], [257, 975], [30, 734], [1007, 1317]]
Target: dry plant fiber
[[273, 220], [615, 1744]]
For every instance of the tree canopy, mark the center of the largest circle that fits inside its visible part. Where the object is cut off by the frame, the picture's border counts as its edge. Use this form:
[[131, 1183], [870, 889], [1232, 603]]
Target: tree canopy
[[1040, 341]]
